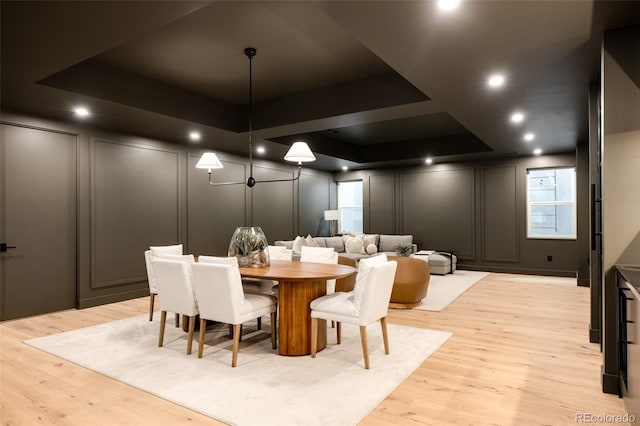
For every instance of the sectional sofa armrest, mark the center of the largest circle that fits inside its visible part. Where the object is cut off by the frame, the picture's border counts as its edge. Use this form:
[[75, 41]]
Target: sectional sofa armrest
[[414, 248]]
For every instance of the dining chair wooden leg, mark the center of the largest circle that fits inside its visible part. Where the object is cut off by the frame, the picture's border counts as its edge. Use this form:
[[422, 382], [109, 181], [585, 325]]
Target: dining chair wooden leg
[[273, 330], [365, 349], [152, 300], [178, 320], [259, 321], [333, 324], [385, 337], [192, 326], [236, 344], [163, 320], [314, 336], [203, 330], [339, 332]]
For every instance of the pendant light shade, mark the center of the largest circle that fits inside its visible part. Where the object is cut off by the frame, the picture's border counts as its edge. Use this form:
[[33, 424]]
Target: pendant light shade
[[300, 153], [209, 160]]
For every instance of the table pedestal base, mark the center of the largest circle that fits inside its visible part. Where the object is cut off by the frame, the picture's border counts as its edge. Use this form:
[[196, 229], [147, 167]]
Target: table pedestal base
[[294, 321]]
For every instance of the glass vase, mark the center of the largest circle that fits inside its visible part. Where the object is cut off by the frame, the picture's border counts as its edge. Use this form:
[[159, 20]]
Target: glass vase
[[249, 245]]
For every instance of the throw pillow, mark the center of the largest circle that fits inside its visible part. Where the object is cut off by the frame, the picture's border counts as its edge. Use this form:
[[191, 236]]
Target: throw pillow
[[298, 243], [369, 239], [310, 241], [353, 244], [372, 249]]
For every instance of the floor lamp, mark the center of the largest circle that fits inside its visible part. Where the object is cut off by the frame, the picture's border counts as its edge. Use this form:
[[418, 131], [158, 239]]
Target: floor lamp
[[332, 216]]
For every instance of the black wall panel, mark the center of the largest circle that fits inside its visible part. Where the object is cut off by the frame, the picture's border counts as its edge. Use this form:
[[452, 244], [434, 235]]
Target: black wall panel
[[438, 209], [134, 204], [273, 203], [381, 205], [499, 214], [313, 196]]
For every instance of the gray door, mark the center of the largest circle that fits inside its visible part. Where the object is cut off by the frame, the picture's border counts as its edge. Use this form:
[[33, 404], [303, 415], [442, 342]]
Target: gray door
[[38, 217]]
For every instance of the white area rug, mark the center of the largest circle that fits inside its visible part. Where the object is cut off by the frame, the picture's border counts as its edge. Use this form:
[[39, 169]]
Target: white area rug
[[444, 289], [265, 388]]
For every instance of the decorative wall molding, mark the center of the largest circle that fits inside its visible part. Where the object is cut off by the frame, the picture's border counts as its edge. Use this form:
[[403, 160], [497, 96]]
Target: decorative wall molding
[[126, 272], [499, 212], [444, 196]]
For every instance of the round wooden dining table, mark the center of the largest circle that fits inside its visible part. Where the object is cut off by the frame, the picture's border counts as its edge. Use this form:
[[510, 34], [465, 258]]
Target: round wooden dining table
[[299, 283]]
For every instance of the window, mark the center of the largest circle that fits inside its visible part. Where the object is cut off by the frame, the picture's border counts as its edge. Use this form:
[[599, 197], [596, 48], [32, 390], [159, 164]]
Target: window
[[551, 203], [350, 206]]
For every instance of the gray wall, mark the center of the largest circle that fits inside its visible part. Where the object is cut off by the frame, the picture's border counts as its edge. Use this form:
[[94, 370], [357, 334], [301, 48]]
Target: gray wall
[[134, 192], [620, 177], [477, 209]]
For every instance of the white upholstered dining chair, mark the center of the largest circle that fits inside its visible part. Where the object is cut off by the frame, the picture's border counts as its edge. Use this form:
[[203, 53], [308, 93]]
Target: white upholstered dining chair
[[246, 286], [149, 255], [367, 303], [175, 293], [218, 289], [320, 255]]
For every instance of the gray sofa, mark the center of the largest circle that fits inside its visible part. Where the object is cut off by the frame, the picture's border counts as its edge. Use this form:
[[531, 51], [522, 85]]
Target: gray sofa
[[351, 249]]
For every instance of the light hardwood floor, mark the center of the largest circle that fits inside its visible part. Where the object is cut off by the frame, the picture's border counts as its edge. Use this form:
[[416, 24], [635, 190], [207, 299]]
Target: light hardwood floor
[[519, 355]]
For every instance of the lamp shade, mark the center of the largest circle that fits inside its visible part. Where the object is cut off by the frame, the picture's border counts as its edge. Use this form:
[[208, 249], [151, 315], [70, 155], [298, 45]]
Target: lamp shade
[[332, 215], [209, 160], [300, 152]]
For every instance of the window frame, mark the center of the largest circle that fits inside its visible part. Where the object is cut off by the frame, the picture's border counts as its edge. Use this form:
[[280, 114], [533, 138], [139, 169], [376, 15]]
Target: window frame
[[339, 208], [573, 203]]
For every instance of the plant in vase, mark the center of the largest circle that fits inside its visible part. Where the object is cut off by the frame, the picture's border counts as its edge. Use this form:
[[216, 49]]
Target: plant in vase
[[403, 250], [249, 245]]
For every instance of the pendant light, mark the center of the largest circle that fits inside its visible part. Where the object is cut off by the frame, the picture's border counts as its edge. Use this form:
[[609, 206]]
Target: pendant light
[[299, 152]]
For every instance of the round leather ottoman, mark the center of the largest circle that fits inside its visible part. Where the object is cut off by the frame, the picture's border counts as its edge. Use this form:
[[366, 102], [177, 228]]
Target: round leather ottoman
[[411, 282]]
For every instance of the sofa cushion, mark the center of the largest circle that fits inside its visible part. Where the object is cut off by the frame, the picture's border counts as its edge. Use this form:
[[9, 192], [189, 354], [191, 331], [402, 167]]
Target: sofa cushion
[[372, 249], [390, 242], [335, 243], [320, 242], [354, 256], [287, 244]]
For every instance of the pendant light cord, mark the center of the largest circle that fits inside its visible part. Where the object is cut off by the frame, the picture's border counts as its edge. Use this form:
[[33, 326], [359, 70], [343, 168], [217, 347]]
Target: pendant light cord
[[250, 54]]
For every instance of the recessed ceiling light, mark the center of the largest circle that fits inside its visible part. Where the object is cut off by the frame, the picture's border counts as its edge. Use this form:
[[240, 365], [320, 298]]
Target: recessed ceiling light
[[529, 137], [448, 5], [429, 160], [517, 117], [496, 80], [537, 151], [261, 150], [345, 168], [81, 111], [194, 136]]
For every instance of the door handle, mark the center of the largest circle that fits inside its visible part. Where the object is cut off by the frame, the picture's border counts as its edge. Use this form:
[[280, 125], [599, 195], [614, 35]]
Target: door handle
[[4, 247]]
